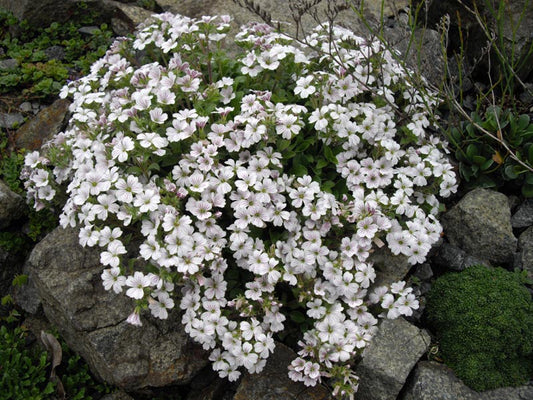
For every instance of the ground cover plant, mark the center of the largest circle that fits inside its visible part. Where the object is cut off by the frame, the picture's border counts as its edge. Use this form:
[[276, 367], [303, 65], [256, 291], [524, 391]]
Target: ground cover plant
[[485, 161], [484, 322], [38, 74], [25, 370], [236, 180], [489, 126]]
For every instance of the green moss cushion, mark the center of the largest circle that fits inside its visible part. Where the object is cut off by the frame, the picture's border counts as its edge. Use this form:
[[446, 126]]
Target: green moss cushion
[[483, 318]]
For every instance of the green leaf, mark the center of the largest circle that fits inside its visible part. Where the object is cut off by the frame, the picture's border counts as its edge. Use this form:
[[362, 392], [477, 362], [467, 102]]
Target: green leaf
[[509, 172], [487, 165], [523, 121], [283, 144], [20, 280], [479, 160], [484, 181], [465, 171], [460, 156], [287, 155], [297, 317], [527, 190], [321, 163], [327, 186], [154, 167], [299, 170], [328, 153], [456, 135], [471, 151], [529, 178], [471, 131], [303, 146]]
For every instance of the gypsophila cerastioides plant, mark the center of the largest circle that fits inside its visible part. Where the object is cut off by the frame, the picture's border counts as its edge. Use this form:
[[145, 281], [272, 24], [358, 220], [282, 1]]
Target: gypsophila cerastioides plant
[[276, 161]]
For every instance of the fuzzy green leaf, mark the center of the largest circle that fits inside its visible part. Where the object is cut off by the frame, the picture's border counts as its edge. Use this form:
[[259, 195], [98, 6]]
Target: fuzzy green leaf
[[328, 153], [527, 190]]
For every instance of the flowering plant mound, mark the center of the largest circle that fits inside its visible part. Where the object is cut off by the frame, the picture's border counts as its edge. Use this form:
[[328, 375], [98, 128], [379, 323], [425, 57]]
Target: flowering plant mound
[[282, 165]]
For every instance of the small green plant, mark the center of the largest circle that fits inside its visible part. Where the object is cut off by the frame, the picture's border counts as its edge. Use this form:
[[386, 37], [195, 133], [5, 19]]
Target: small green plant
[[505, 156], [77, 381], [37, 75], [483, 318], [23, 373]]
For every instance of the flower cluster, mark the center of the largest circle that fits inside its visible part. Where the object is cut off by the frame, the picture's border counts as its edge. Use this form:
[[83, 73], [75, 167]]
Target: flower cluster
[[284, 166]]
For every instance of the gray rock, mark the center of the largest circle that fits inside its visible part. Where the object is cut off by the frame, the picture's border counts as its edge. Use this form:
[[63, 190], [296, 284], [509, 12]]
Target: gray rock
[[10, 63], [389, 358], [509, 393], [9, 267], [41, 13], [525, 247], [10, 120], [515, 21], [526, 97], [471, 260], [27, 297], [274, 383], [450, 257], [120, 395], [126, 16], [26, 107], [216, 390], [389, 268], [523, 217], [434, 381], [41, 128], [480, 224], [517, 34], [423, 53], [88, 30], [279, 11], [55, 53], [92, 320], [423, 272], [12, 206]]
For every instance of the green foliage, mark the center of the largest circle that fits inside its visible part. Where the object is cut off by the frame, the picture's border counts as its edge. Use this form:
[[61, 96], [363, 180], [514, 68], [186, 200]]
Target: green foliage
[[38, 76], [10, 166], [12, 242], [484, 161], [22, 371], [76, 378], [483, 318], [40, 222]]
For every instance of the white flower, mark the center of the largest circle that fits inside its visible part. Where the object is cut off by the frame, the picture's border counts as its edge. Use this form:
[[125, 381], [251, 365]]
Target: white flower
[[160, 306], [121, 148], [111, 278], [158, 116], [111, 257], [304, 88], [137, 283], [134, 319], [147, 201]]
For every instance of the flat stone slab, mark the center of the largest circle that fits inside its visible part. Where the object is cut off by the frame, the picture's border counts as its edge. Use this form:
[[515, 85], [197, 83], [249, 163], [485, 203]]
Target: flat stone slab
[[389, 358]]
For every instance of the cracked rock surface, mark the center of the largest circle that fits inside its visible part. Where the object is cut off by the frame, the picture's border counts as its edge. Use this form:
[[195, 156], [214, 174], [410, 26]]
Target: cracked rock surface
[[92, 320]]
